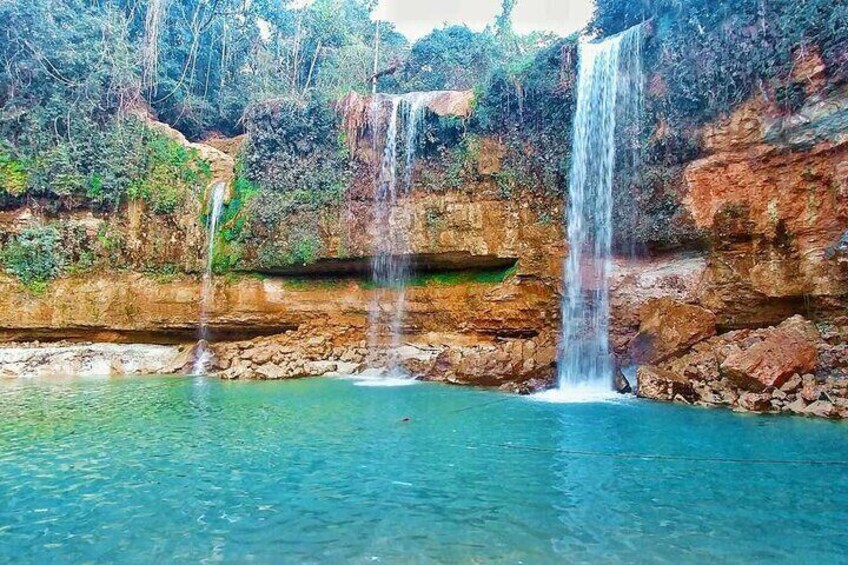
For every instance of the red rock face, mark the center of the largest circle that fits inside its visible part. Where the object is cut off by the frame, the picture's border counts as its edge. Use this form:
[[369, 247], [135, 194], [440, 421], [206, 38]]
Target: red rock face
[[788, 350], [669, 328], [773, 193], [659, 384]]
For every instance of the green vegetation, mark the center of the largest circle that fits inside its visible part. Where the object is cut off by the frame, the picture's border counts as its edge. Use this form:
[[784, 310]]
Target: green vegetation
[[300, 248], [130, 161], [452, 58], [529, 105], [294, 157], [170, 174], [450, 278], [76, 73], [228, 240], [36, 256], [13, 176]]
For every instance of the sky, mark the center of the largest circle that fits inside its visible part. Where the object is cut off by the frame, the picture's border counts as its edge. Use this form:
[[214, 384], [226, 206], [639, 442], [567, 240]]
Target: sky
[[416, 18]]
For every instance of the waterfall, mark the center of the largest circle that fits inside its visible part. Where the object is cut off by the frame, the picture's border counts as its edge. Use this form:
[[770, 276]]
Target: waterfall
[[390, 265], [216, 206], [609, 104]]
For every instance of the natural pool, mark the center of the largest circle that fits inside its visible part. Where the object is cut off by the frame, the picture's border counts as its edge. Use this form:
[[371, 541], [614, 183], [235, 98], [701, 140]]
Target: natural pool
[[187, 470]]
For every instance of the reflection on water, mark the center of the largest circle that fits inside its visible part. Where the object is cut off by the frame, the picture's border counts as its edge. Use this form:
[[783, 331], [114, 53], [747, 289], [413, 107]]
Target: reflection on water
[[186, 470]]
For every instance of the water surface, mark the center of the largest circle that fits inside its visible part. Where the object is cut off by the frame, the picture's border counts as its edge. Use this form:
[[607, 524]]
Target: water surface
[[322, 471]]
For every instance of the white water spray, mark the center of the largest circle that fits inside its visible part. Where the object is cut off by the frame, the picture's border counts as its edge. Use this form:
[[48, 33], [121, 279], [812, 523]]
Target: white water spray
[[216, 206], [609, 94], [390, 267]]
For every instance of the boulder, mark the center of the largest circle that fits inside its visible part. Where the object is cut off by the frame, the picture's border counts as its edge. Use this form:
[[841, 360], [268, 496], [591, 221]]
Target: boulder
[[796, 407], [787, 350], [621, 384], [821, 409], [184, 361], [755, 402], [792, 385], [658, 384], [669, 327], [260, 355], [321, 368], [270, 372]]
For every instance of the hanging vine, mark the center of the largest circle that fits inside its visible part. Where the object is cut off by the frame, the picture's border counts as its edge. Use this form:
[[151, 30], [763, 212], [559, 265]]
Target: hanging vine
[[153, 21]]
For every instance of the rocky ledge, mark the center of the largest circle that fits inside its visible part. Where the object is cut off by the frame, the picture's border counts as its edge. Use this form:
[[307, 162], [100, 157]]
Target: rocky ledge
[[36, 359], [455, 359], [793, 368]]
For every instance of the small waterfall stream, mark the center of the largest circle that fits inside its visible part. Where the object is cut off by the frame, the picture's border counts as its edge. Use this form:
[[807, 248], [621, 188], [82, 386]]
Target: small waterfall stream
[[609, 101], [390, 266], [216, 206]]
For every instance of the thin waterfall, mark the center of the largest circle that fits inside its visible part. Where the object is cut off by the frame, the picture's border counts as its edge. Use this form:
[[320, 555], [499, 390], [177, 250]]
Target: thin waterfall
[[609, 93], [216, 206], [390, 265]]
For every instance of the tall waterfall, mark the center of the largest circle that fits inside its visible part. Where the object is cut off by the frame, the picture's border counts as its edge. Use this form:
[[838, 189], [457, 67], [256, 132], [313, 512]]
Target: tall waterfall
[[390, 265], [609, 103], [216, 206]]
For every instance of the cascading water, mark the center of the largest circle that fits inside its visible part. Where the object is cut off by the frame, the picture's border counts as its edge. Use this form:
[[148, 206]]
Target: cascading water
[[390, 260], [609, 101], [216, 206]]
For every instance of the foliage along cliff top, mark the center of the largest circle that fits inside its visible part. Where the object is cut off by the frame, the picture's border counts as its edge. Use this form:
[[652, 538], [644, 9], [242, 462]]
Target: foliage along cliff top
[[74, 70]]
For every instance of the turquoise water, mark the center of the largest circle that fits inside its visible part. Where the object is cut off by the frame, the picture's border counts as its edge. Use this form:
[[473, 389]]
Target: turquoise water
[[322, 471]]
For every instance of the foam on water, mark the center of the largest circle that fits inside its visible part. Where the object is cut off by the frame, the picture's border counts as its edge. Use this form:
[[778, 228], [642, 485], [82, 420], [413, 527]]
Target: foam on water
[[382, 378], [578, 395]]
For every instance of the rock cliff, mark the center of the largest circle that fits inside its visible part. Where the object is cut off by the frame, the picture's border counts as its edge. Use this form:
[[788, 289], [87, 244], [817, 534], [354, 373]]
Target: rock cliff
[[768, 192]]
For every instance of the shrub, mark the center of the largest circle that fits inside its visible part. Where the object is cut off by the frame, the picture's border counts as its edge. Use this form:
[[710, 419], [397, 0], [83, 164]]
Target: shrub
[[293, 153], [36, 256], [451, 58], [13, 176], [172, 172], [529, 106], [302, 247]]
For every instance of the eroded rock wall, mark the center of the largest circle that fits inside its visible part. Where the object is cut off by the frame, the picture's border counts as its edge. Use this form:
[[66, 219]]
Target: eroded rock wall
[[768, 193], [772, 194]]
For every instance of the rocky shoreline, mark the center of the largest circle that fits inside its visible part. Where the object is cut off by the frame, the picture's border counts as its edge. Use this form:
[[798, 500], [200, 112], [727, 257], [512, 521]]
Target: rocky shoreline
[[792, 368]]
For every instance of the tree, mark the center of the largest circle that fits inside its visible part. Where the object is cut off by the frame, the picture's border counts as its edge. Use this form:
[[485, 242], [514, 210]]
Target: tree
[[452, 58]]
